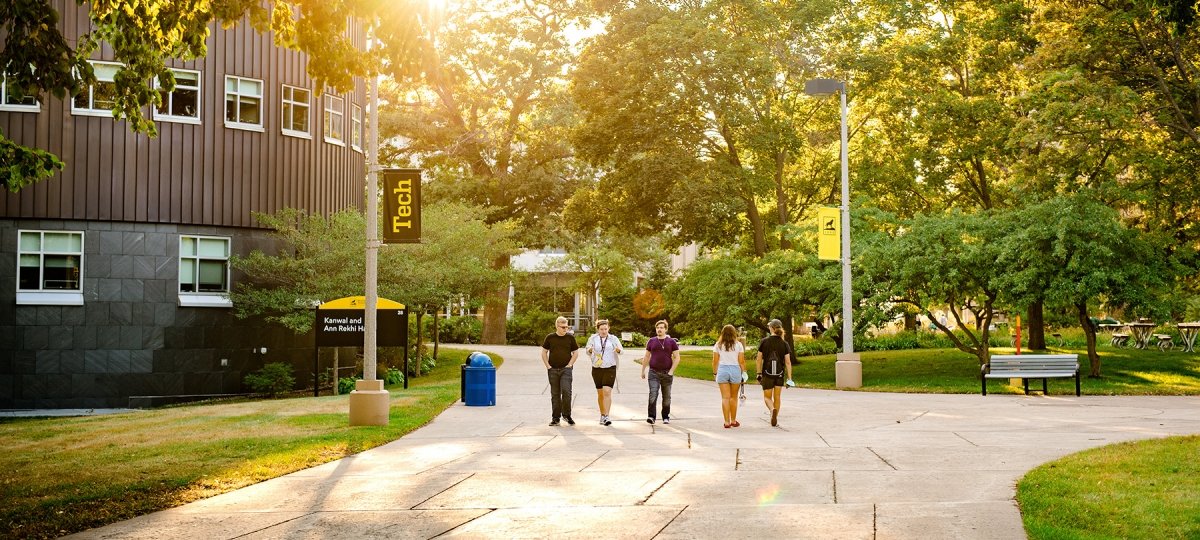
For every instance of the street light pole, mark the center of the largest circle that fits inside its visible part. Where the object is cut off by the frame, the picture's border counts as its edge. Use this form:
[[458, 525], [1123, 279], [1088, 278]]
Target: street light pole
[[848, 369], [369, 401]]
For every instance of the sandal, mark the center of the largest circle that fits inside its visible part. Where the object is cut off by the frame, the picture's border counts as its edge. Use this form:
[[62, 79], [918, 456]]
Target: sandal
[[727, 426], [736, 424]]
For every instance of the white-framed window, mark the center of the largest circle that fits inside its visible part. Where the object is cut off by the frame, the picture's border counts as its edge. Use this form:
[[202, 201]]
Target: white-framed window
[[183, 104], [297, 106], [243, 103], [335, 120], [356, 127], [204, 271], [13, 98], [101, 98], [50, 267]]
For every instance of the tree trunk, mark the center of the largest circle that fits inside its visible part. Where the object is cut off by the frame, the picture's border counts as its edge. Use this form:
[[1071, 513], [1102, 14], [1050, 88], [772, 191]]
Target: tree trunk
[[1037, 326], [336, 390], [1089, 332], [436, 336], [495, 309], [910, 322], [789, 322], [756, 227], [781, 202], [835, 330], [420, 345]]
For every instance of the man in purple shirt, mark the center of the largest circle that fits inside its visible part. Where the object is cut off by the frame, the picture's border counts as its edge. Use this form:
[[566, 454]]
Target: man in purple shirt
[[662, 357]]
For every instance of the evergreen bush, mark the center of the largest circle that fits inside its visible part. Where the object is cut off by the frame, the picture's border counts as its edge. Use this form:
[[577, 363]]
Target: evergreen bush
[[273, 379]]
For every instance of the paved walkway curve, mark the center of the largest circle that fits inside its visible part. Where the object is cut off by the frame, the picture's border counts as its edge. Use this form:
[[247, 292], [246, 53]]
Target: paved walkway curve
[[841, 465]]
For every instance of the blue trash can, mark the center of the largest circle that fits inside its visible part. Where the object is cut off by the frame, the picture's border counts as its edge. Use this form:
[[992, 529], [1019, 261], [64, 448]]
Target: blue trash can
[[479, 381]]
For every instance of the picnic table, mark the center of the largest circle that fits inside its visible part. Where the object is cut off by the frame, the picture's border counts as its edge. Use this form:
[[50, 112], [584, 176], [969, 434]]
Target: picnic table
[[1141, 333], [1187, 331]]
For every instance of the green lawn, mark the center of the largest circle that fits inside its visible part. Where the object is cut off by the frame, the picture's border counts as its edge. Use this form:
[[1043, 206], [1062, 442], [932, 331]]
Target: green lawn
[[1142, 489], [950, 371], [63, 475]]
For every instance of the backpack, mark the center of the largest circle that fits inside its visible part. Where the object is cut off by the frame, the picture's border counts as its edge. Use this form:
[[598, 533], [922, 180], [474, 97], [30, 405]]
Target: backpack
[[773, 364]]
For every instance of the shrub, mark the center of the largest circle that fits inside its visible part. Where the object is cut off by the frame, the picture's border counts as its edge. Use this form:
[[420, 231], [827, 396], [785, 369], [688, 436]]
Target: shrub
[[530, 328], [465, 329], [346, 385], [393, 376], [427, 364], [814, 347], [639, 339], [273, 379]]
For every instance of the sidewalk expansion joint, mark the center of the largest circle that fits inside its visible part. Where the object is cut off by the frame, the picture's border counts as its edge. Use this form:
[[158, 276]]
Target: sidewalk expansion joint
[[451, 529], [737, 458], [835, 501], [552, 437], [965, 439], [874, 521], [673, 518], [881, 459], [448, 488], [660, 486], [593, 462], [822, 437], [276, 524]]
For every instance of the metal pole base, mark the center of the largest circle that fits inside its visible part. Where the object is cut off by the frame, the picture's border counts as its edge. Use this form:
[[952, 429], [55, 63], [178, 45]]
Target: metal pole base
[[369, 404], [848, 371]]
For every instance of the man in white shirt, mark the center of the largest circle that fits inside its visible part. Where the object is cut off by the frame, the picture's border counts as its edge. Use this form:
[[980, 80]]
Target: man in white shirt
[[603, 350]]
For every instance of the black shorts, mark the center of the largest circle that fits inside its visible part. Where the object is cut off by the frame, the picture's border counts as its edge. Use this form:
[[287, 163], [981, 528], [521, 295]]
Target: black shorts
[[769, 382], [604, 376]]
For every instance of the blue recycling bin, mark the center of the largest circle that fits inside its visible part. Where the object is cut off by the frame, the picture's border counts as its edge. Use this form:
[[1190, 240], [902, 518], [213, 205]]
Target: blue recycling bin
[[479, 381]]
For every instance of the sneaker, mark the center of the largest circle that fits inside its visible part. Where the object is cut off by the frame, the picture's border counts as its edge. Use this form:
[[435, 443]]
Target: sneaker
[[569, 420], [554, 422], [774, 417], [607, 422], [649, 419], [666, 420]]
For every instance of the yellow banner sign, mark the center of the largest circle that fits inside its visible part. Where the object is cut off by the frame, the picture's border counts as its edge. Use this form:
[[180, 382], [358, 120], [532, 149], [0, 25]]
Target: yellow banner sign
[[401, 206], [829, 234], [360, 302]]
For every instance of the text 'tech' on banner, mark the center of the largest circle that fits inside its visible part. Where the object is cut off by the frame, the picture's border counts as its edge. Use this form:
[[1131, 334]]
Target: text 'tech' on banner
[[401, 206]]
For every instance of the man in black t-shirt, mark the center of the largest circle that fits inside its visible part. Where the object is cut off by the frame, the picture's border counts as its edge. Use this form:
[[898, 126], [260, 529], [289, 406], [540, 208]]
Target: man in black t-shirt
[[559, 351], [774, 363]]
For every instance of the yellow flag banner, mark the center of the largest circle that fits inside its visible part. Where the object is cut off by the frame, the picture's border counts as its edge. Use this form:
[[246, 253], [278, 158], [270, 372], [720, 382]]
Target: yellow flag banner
[[829, 234], [401, 206]]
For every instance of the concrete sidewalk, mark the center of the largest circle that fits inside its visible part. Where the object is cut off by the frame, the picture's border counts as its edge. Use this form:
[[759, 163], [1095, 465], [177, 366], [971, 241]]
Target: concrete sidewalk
[[841, 465]]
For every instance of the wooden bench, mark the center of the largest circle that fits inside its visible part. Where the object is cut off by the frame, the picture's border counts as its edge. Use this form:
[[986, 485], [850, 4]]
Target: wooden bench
[[1031, 366], [1119, 339], [1165, 342]]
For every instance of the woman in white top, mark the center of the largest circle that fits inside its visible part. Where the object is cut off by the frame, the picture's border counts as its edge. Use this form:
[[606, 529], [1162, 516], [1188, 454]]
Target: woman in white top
[[603, 350], [729, 361]]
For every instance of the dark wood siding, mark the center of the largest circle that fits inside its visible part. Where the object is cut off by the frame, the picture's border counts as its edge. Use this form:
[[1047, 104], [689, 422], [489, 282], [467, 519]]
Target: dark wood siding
[[204, 174]]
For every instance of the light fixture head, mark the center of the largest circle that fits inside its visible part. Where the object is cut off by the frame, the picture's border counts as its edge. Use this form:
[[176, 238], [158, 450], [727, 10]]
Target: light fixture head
[[823, 87]]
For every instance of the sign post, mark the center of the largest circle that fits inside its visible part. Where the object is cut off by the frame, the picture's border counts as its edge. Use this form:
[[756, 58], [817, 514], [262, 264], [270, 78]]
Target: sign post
[[342, 323]]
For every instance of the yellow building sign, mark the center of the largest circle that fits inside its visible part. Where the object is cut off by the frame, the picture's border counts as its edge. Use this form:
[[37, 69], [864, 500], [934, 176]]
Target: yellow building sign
[[829, 234]]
